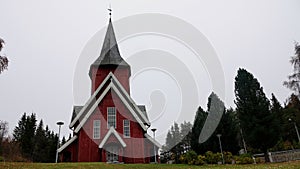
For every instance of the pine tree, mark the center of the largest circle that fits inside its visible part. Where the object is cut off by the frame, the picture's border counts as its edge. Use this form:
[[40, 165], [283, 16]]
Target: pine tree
[[258, 124]]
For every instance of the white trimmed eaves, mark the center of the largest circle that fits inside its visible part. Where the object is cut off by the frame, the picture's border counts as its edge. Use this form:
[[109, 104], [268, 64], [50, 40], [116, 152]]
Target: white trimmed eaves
[[66, 144], [130, 99], [90, 100], [129, 107], [152, 140], [112, 131], [110, 86], [82, 122]]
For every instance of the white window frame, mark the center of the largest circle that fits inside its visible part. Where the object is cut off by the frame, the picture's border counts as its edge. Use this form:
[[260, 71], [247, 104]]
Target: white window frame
[[111, 116], [96, 128], [126, 127]]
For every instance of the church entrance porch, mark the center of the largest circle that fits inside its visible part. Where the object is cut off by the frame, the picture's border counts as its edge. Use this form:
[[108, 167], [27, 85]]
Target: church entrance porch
[[113, 153]]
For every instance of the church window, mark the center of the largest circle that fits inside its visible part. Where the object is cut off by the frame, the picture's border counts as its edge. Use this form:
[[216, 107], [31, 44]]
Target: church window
[[126, 128], [111, 117], [96, 129]]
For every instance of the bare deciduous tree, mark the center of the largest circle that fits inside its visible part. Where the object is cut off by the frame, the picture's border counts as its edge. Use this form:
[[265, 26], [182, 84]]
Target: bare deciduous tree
[[3, 59], [293, 81]]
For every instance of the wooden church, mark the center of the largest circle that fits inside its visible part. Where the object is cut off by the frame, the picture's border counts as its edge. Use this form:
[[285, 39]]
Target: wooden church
[[110, 127]]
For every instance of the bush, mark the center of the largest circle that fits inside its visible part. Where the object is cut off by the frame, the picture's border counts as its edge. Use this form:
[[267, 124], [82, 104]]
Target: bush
[[200, 160], [228, 157], [191, 157], [212, 158], [1, 159], [244, 159], [209, 157]]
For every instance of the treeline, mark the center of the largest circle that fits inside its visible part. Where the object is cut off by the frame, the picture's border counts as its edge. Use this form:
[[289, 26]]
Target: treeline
[[31, 142], [257, 124]]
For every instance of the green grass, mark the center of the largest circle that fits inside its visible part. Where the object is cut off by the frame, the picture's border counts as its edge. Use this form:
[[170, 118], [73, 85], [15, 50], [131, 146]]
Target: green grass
[[287, 165]]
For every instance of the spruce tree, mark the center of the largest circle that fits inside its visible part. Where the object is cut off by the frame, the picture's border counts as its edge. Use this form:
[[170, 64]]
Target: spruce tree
[[258, 124], [199, 121]]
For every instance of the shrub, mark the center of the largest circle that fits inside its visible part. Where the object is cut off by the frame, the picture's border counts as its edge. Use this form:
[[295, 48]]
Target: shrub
[[191, 157], [244, 159], [228, 157], [209, 157], [200, 160]]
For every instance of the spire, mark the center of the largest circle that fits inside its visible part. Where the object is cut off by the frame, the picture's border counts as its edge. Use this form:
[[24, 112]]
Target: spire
[[110, 54]]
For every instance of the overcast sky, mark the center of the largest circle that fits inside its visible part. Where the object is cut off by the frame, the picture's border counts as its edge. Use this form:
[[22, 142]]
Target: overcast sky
[[44, 40]]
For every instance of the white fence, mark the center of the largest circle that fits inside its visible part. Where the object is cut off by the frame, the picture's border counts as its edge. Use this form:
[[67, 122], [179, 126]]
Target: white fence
[[281, 156]]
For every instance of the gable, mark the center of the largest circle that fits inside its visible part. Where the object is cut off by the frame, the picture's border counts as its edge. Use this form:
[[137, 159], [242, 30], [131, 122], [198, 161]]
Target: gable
[[112, 132], [112, 84]]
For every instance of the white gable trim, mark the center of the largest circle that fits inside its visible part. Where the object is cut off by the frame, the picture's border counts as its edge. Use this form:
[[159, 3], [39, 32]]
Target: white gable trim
[[110, 132], [152, 140], [130, 99], [110, 86], [90, 100], [128, 107], [92, 109], [67, 144]]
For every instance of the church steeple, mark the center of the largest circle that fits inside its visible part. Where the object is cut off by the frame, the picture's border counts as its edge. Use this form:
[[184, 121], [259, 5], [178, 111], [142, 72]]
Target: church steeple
[[110, 60], [110, 54]]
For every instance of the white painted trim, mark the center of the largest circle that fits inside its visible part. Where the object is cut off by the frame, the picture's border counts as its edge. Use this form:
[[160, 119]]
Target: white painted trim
[[152, 140], [128, 107], [90, 100], [110, 86], [92, 109], [130, 99], [112, 131], [67, 144]]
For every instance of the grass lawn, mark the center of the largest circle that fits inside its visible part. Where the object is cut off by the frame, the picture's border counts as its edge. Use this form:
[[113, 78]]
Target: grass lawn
[[287, 165]]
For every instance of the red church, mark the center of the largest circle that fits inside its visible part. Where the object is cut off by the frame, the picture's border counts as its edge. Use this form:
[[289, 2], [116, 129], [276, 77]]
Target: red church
[[110, 127]]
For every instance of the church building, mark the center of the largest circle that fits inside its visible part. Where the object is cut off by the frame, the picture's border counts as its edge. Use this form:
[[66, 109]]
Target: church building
[[110, 127]]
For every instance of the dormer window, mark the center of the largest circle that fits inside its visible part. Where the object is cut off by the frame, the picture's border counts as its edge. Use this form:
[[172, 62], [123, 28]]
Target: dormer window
[[111, 117]]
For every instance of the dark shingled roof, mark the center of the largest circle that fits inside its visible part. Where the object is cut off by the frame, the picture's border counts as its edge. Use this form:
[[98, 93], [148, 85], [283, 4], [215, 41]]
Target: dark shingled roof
[[143, 109], [110, 54], [76, 110]]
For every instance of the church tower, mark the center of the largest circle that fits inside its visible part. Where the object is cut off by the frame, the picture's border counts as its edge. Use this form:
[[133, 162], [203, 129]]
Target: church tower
[[110, 60]]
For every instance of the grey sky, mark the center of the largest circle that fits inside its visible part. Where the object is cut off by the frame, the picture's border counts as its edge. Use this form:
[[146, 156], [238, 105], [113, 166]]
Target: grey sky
[[45, 38]]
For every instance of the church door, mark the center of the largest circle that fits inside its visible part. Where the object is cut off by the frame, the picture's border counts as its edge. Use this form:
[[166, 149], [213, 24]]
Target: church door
[[112, 154]]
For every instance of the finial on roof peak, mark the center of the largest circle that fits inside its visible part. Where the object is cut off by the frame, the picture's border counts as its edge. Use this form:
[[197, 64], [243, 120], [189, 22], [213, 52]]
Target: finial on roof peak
[[110, 10]]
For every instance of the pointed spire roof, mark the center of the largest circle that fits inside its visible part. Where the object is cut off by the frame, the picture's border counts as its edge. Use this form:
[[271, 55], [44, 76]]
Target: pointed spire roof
[[110, 54]]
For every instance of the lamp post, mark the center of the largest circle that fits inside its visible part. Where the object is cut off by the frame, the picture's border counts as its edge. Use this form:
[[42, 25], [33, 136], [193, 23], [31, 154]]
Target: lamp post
[[296, 128], [154, 148], [60, 123], [219, 136]]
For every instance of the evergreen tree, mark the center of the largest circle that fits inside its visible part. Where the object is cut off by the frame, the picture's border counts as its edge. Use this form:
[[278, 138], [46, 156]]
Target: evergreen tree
[[70, 136], [199, 121], [277, 111], [186, 132], [63, 141], [40, 140], [291, 115], [24, 134], [258, 124]]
